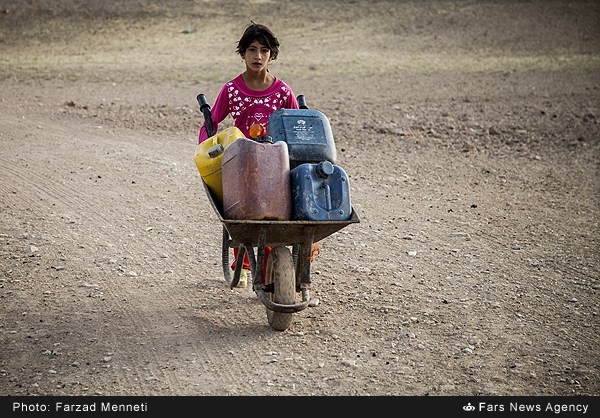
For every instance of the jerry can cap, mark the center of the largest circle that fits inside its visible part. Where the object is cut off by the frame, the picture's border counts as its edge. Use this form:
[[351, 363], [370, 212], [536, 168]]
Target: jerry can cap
[[324, 169], [215, 150]]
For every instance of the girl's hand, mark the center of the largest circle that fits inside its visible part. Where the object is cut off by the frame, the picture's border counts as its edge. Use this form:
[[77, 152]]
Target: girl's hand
[[256, 130]]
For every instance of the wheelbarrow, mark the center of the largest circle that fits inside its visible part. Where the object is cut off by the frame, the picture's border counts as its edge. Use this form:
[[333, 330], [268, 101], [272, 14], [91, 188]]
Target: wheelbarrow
[[285, 289]]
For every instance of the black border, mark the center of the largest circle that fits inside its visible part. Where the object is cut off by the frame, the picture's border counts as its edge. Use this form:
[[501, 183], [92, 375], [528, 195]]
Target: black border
[[446, 406]]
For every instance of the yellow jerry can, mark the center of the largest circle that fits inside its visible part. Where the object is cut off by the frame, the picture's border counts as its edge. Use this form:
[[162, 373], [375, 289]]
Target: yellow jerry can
[[208, 156]]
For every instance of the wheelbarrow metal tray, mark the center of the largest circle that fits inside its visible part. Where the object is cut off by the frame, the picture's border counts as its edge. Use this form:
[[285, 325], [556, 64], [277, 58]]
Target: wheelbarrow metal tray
[[276, 232], [282, 232]]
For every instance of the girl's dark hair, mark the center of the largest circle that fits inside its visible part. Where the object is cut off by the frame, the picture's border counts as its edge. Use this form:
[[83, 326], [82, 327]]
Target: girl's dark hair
[[260, 33]]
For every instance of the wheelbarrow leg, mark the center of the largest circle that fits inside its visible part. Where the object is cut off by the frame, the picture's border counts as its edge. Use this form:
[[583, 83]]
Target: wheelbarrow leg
[[238, 266], [258, 281], [303, 267]]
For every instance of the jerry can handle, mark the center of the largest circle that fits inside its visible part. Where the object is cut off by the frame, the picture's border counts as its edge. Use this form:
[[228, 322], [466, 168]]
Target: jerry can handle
[[264, 139]]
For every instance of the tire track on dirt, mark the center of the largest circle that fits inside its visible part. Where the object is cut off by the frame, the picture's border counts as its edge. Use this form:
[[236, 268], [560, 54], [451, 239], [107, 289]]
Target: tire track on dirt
[[68, 201], [45, 195]]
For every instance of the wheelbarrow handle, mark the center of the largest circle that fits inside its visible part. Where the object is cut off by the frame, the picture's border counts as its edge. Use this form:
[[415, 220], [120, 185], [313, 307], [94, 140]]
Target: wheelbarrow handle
[[302, 102], [205, 109]]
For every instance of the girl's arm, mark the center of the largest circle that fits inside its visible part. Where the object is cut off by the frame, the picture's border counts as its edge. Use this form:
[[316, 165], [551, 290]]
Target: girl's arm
[[218, 112], [291, 102]]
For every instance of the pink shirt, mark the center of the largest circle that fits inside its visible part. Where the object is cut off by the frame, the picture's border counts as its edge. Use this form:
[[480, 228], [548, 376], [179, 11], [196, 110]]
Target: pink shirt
[[247, 106]]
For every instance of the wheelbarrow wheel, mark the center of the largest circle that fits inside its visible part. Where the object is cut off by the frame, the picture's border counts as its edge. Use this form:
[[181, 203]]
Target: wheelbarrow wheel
[[280, 272]]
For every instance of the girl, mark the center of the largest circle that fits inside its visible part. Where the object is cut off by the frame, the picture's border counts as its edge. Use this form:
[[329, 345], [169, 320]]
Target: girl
[[251, 97]]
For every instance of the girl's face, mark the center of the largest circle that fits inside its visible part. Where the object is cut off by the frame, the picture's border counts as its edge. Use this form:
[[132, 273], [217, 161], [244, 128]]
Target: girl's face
[[257, 57]]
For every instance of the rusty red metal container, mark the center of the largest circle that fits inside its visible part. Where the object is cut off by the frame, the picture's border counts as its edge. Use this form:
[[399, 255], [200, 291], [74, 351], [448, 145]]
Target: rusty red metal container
[[256, 180]]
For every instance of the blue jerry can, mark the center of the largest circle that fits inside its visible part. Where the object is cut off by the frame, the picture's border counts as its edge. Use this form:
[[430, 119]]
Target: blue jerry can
[[307, 133], [320, 192]]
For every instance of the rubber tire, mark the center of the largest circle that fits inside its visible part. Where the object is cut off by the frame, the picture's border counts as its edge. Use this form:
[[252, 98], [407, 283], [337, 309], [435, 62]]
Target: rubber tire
[[280, 272]]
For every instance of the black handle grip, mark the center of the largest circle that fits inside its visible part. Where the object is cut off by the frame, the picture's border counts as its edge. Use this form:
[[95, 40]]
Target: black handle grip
[[301, 102], [205, 109]]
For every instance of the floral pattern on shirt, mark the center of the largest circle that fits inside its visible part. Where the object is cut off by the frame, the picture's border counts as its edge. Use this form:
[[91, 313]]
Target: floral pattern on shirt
[[247, 110], [239, 102]]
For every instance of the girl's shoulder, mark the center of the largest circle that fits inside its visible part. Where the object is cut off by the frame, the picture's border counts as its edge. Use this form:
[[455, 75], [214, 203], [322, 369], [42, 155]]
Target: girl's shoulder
[[234, 82], [280, 86]]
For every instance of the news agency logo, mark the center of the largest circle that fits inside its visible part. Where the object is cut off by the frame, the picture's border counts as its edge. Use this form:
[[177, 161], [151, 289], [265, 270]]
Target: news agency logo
[[468, 407]]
